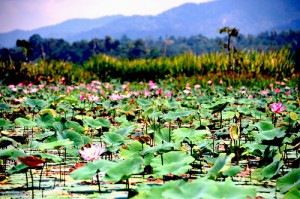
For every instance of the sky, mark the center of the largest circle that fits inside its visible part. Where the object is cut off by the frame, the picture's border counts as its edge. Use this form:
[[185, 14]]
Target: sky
[[32, 14]]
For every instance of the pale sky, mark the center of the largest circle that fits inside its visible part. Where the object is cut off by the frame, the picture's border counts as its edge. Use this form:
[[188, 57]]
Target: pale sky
[[31, 14]]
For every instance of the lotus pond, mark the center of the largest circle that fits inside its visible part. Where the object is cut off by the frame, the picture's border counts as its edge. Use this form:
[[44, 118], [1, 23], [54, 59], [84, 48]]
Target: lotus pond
[[149, 140]]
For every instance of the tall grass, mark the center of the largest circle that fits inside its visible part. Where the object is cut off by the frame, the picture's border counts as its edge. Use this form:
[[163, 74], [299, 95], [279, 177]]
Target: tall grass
[[246, 67], [277, 64]]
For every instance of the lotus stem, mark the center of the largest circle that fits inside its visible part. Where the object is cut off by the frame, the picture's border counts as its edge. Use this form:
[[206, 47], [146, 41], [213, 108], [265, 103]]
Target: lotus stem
[[40, 181], [32, 184], [169, 131], [127, 183], [98, 182], [26, 179]]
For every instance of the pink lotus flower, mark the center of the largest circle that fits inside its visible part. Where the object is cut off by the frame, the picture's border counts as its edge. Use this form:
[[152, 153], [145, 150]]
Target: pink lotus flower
[[93, 98], [93, 153], [147, 93], [264, 92], [277, 107], [229, 88], [116, 97], [102, 92], [168, 94], [250, 96], [152, 85], [82, 97], [159, 92], [197, 86], [277, 90]]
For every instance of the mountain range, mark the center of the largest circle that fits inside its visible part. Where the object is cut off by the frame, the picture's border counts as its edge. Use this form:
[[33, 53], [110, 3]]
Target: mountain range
[[249, 16]]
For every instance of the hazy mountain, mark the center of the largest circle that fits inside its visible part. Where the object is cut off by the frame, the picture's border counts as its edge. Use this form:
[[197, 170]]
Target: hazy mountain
[[249, 16], [62, 30]]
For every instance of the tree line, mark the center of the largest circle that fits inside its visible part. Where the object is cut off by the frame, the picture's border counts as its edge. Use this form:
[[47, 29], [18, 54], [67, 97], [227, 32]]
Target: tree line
[[37, 48]]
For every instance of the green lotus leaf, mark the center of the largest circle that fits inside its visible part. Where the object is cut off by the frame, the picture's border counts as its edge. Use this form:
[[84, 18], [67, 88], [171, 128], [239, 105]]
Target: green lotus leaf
[[229, 190], [55, 144], [289, 181], [264, 126], [49, 157], [162, 135], [205, 112], [86, 139], [71, 99], [232, 171], [143, 102], [4, 106], [228, 115], [123, 170], [111, 138], [271, 170], [156, 114], [104, 122], [290, 107], [222, 163], [258, 115], [158, 191], [167, 146], [173, 162], [43, 136], [25, 122], [170, 116], [294, 116], [245, 101], [173, 105], [12, 153], [90, 170], [44, 121], [125, 109], [256, 149], [293, 194], [58, 126], [121, 119], [35, 103], [218, 107], [261, 104], [20, 168], [92, 123], [126, 130], [181, 134], [73, 136], [203, 188], [270, 134], [196, 189], [135, 148], [6, 141], [5, 124], [74, 126], [49, 111]]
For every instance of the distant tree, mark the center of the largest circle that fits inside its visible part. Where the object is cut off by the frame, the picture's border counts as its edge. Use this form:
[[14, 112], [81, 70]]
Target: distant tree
[[25, 45], [36, 43], [233, 57], [231, 32], [138, 50]]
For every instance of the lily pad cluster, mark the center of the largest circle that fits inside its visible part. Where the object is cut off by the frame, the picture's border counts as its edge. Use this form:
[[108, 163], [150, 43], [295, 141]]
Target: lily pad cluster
[[197, 141]]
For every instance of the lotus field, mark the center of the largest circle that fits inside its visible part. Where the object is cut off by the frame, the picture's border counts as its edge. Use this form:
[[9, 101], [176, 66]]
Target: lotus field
[[149, 140]]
